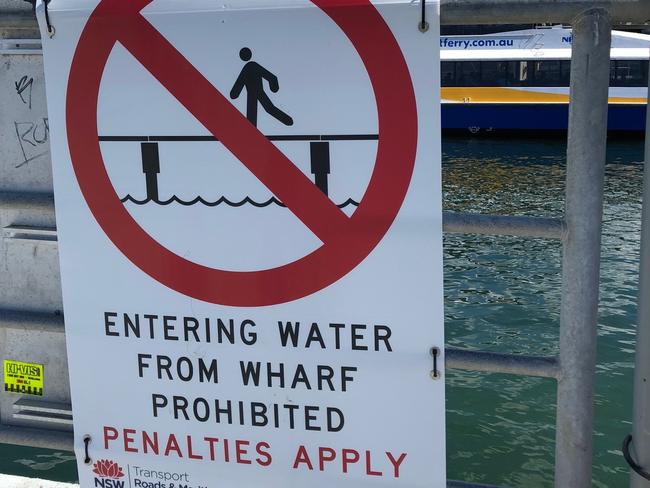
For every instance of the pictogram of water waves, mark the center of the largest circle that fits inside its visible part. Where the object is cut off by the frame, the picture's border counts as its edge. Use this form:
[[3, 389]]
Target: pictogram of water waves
[[220, 201]]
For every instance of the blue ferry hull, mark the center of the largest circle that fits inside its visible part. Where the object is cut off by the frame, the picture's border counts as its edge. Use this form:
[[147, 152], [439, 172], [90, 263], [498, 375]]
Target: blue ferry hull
[[487, 117]]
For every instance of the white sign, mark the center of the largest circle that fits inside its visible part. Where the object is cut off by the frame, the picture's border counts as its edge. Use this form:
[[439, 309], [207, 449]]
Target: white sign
[[249, 210]]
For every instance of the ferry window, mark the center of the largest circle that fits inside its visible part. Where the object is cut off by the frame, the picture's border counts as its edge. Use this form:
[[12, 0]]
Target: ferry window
[[517, 73], [505, 73], [628, 73], [494, 73], [468, 73], [565, 73], [447, 73], [547, 73]]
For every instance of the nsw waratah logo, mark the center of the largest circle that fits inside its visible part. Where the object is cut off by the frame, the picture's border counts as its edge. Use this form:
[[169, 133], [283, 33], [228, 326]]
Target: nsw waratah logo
[[108, 469], [110, 473]]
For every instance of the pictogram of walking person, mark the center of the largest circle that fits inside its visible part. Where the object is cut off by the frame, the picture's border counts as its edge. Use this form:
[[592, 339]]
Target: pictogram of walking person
[[252, 78]]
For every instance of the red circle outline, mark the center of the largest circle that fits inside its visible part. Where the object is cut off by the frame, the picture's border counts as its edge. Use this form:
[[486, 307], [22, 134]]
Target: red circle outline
[[397, 120]]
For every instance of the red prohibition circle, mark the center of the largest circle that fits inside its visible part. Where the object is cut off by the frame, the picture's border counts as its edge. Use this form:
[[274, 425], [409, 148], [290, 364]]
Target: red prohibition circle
[[347, 241]]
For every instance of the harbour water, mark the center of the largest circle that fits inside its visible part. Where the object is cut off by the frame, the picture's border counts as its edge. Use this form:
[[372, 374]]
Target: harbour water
[[503, 294]]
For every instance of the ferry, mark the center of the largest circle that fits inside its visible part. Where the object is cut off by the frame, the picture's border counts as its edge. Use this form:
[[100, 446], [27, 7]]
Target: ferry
[[519, 80]]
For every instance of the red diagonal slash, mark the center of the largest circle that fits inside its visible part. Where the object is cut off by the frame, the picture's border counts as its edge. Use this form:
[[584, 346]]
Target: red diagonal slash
[[225, 122]]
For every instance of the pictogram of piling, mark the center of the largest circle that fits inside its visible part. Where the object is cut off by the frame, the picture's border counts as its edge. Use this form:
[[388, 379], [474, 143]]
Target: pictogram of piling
[[150, 168], [320, 163]]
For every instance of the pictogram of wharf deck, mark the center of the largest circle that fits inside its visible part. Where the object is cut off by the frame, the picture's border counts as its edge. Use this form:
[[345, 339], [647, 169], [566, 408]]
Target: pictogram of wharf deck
[[318, 147]]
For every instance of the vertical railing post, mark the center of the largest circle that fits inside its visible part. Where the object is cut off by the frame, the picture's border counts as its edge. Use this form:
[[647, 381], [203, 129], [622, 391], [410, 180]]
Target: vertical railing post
[[640, 447], [581, 252]]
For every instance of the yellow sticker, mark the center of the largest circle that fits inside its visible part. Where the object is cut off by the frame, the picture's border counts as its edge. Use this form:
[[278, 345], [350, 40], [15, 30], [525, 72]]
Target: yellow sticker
[[24, 378]]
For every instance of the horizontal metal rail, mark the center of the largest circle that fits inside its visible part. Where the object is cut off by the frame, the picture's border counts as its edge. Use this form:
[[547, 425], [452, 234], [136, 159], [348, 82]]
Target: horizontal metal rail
[[19, 18], [30, 233], [466, 12], [43, 407], [492, 362], [456, 12], [42, 203], [455, 358], [467, 484], [503, 225], [40, 438], [453, 222], [31, 321]]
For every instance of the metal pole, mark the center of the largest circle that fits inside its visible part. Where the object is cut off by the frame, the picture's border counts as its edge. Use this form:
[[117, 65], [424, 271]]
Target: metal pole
[[640, 448], [492, 362], [31, 437], [454, 12], [581, 252]]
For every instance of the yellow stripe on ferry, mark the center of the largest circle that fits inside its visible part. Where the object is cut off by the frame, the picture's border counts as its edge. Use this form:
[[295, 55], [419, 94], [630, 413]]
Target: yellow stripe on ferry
[[514, 95]]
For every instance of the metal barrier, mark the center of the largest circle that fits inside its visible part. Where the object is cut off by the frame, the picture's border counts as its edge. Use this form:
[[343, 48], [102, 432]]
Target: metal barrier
[[30, 216], [641, 412]]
